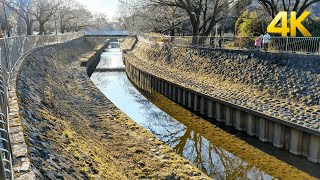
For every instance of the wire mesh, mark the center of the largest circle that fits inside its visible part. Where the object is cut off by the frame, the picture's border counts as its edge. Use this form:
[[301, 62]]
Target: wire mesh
[[12, 49], [305, 45]]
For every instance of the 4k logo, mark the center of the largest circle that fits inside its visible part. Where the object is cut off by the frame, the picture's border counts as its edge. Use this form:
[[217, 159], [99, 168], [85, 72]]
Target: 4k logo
[[295, 23]]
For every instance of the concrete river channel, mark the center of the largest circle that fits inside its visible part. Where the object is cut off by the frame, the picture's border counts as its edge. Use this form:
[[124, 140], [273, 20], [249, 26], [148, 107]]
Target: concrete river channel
[[204, 150]]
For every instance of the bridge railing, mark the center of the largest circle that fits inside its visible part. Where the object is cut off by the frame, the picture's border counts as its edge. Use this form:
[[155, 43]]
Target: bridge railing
[[307, 45], [12, 49]]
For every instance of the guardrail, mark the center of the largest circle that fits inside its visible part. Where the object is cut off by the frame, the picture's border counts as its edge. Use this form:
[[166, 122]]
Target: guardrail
[[12, 49], [306, 45]]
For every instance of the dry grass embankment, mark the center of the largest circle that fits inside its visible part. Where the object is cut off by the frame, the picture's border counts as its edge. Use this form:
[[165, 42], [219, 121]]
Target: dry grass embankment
[[74, 132]]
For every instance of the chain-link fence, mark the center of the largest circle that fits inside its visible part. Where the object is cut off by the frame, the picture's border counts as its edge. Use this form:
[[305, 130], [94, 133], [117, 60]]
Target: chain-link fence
[[307, 45], [12, 49]]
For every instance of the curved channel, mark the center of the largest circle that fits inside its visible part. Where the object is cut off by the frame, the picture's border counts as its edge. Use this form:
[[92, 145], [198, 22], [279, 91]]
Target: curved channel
[[214, 160]]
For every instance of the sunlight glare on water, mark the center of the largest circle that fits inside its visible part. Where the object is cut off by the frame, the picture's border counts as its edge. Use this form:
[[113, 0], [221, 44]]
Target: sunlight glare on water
[[112, 59], [214, 161]]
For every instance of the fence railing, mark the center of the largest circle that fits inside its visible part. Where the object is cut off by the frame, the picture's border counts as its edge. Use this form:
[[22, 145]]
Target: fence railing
[[307, 45], [12, 49]]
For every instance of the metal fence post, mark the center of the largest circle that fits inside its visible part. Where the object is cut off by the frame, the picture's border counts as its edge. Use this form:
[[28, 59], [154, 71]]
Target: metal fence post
[[2, 166], [319, 48], [215, 41], [283, 44], [287, 42], [5, 140], [9, 58]]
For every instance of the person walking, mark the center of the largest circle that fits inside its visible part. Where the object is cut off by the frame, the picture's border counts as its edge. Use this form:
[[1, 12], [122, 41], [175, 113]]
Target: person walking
[[258, 42], [266, 41]]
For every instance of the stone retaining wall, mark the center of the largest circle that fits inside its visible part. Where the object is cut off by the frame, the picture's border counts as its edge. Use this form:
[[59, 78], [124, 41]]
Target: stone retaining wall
[[218, 84], [294, 77], [282, 135], [72, 131], [21, 160]]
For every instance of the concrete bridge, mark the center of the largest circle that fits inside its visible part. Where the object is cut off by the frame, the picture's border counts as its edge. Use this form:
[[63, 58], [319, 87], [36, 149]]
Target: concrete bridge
[[29, 97]]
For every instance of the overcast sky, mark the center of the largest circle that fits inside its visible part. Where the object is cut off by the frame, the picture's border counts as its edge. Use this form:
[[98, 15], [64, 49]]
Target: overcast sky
[[108, 7]]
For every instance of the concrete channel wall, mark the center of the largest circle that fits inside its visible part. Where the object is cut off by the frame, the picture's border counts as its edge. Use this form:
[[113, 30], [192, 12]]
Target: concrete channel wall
[[296, 139], [92, 63]]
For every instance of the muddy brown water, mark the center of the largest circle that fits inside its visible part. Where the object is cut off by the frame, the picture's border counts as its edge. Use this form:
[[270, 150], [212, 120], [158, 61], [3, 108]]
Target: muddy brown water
[[190, 140]]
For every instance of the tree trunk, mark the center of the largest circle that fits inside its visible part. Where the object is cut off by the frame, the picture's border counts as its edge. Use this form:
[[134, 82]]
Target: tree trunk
[[195, 33], [41, 28], [213, 22], [29, 28], [19, 26], [172, 32], [62, 27], [172, 29]]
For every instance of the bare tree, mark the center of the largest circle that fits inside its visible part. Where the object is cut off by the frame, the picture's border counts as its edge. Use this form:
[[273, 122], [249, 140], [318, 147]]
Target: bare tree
[[4, 20], [203, 14], [66, 15], [24, 9], [165, 19], [274, 6], [160, 19], [129, 16], [100, 21], [235, 12], [81, 21], [68, 12], [43, 10]]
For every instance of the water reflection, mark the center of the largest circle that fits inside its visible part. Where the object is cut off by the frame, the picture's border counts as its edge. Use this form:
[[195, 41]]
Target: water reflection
[[215, 161]]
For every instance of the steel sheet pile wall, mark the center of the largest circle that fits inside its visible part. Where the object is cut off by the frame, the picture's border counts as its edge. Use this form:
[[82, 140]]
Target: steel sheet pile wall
[[284, 135]]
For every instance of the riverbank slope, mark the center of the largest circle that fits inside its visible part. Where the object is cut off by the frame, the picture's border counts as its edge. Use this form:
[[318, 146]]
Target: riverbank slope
[[173, 71], [74, 132], [287, 89]]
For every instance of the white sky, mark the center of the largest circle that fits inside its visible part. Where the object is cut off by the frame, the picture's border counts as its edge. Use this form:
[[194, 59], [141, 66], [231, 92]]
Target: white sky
[[107, 7]]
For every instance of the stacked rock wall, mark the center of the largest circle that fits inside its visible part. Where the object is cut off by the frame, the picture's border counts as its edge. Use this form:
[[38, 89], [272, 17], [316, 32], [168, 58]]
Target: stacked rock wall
[[32, 68], [280, 89], [293, 77], [72, 131]]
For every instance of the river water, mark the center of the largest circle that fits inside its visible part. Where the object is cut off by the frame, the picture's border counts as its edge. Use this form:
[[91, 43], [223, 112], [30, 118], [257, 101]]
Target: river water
[[116, 86], [215, 161]]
